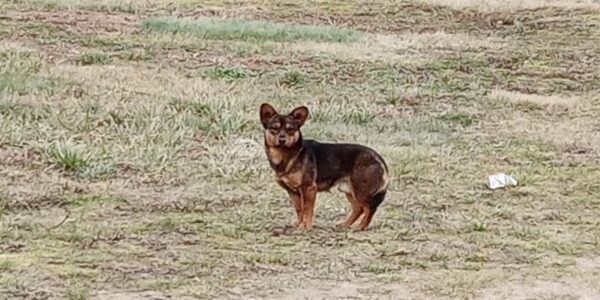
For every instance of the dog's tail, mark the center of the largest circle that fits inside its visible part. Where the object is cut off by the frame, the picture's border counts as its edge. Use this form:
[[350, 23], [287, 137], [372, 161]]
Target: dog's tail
[[376, 199]]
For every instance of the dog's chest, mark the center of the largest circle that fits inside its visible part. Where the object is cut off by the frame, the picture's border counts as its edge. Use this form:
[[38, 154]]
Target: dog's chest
[[275, 156], [292, 180]]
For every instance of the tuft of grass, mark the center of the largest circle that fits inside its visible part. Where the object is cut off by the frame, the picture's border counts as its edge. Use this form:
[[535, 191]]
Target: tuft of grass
[[76, 292], [3, 202], [137, 55], [378, 268], [479, 227], [96, 171], [267, 258], [67, 157], [459, 118], [6, 265], [221, 72], [92, 58], [292, 78], [238, 29]]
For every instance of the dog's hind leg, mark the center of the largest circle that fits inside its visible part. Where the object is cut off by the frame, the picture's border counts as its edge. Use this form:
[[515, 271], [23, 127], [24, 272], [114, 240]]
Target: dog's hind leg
[[369, 208], [355, 212], [369, 180]]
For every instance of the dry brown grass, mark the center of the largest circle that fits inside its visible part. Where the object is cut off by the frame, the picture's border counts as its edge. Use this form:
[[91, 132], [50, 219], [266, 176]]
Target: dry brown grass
[[131, 162], [540, 100], [512, 5], [407, 48]]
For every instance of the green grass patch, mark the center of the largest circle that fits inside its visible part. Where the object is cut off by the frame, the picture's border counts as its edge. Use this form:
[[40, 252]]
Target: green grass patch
[[96, 170], [3, 202], [459, 118], [267, 258], [292, 78], [237, 29], [6, 265], [93, 58], [67, 157], [221, 72], [76, 292]]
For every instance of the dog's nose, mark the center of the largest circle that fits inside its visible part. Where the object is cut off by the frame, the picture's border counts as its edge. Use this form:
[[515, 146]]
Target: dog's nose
[[281, 140]]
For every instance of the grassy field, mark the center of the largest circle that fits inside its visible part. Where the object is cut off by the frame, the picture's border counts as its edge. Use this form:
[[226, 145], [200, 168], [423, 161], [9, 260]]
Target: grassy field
[[132, 167]]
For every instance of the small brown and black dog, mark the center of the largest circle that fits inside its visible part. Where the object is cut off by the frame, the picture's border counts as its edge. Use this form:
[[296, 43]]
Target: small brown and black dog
[[304, 167]]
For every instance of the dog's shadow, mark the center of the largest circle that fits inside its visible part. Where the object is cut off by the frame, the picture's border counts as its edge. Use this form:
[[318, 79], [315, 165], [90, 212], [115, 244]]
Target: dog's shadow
[[289, 230]]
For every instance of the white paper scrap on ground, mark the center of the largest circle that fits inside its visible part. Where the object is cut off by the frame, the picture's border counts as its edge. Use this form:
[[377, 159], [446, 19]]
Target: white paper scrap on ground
[[500, 180]]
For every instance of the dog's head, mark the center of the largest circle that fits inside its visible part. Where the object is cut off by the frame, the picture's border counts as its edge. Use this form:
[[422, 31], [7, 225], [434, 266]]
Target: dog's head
[[282, 130]]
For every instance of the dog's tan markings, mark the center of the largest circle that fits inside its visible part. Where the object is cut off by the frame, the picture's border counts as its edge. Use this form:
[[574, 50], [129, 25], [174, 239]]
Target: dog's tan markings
[[293, 179], [294, 138], [386, 180], [384, 176], [275, 155], [299, 207], [309, 195], [355, 212], [344, 185]]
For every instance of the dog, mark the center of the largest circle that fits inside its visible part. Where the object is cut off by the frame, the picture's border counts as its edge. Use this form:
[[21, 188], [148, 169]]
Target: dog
[[304, 167]]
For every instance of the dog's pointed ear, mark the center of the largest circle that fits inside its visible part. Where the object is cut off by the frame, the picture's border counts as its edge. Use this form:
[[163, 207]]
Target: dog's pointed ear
[[266, 112], [300, 114]]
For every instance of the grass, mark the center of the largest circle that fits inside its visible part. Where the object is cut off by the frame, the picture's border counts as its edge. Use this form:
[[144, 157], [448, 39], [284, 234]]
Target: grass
[[132, 165], [238, 29], [20, 73], [67, 157], [76, 293], [226, 73], [97, 58]]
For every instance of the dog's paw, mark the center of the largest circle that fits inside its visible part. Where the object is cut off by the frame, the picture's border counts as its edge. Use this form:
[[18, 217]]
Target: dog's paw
[[360, 228], [305, 225], [342, 224]]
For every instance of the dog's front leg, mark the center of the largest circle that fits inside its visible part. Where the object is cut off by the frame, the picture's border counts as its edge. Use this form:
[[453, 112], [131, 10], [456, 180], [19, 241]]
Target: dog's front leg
[[309, 195], [296, 200], [298, 206]]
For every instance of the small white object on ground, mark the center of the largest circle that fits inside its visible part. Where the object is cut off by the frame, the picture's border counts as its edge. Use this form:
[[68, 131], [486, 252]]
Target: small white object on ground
[[500, 180]]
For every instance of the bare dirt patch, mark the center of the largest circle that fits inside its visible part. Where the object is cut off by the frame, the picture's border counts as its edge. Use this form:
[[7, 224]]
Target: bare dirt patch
[[561, 289], [588, 264], [79, 21], [503, 5], [136, 295], [347, 290]]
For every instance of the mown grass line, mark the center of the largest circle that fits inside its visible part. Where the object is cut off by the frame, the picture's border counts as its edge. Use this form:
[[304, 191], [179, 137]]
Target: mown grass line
[[237, 29]]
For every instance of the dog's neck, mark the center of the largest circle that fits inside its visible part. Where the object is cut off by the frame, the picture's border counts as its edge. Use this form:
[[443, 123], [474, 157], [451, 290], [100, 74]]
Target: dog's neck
[[281, 158]]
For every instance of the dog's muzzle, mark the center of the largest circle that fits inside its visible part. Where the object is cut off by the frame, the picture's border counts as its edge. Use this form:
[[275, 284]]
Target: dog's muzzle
[[281, 141]]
